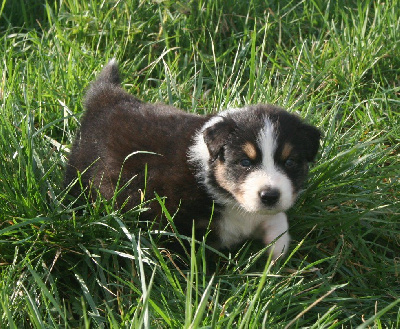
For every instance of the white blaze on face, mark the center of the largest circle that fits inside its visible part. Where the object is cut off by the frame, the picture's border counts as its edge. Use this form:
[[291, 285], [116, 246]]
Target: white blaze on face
[[268, 176]]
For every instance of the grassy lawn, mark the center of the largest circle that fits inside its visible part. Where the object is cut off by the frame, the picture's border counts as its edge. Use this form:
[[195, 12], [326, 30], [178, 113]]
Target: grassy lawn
[[76, 263]]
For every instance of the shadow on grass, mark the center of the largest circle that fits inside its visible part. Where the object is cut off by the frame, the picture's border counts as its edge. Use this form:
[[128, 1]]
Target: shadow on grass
[[30, 14]]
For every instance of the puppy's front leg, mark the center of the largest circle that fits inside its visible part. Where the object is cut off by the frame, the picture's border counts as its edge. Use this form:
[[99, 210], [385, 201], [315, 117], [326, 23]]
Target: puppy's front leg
[[277, 226]]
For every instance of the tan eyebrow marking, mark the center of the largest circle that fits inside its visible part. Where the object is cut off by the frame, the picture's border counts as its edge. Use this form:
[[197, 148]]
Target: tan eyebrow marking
[[250, 150], [287, 149]]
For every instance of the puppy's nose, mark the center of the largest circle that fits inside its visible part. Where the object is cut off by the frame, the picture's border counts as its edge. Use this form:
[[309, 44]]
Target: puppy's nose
[[270, 197]]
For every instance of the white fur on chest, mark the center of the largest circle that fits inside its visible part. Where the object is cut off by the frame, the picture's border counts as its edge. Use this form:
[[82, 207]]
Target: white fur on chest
[[236, 225]]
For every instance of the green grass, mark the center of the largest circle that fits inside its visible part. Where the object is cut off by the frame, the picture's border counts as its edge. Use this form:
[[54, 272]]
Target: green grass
[[81, 264]]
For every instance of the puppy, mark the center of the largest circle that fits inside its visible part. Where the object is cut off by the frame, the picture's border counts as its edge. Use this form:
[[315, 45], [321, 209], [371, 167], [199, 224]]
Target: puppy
[[244, 167]]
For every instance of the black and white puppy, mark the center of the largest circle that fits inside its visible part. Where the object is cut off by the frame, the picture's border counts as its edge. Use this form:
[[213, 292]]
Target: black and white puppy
[[245, 165]]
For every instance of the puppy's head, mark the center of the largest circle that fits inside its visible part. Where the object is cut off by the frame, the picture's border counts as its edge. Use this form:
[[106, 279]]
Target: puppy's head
[[256, 157]]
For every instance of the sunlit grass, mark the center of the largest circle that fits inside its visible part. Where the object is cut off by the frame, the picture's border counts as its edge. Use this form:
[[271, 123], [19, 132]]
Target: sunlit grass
[[81, 263]]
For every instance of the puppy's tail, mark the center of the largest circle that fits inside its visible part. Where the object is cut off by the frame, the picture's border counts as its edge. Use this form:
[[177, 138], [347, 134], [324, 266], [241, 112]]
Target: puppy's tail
[[110, 74], [106, 92]]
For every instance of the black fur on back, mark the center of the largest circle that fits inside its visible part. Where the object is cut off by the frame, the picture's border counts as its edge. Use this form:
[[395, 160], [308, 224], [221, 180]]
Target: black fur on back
[[115, 129]]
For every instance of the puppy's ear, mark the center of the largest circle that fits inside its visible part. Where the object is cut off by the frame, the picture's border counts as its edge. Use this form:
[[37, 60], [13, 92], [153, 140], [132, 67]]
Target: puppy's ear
[[312, 136], [216, 136]]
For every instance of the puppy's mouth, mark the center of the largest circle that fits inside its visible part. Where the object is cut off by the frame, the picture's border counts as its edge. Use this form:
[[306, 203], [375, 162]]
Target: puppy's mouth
[[260, 208]]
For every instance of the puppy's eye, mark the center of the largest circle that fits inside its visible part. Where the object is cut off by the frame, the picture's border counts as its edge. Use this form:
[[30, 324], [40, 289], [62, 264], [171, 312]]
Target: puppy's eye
[[245, 163], [290, 163]]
